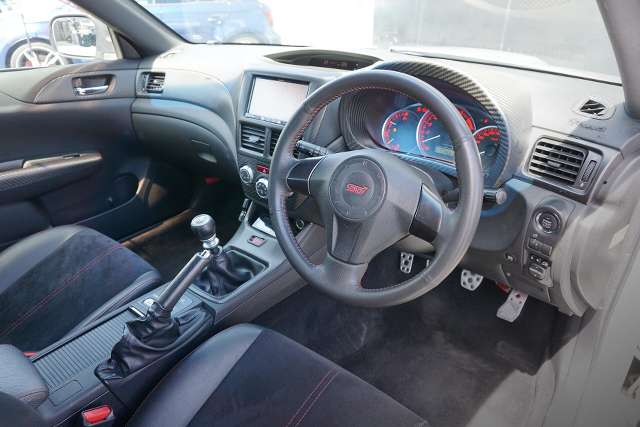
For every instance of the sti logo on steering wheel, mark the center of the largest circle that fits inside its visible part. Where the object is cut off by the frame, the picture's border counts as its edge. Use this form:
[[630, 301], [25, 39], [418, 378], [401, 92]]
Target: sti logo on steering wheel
[[356, 189]]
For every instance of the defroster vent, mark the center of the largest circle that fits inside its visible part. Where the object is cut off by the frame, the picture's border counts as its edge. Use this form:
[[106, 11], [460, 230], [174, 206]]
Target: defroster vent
[[557, 161], [252, 137]]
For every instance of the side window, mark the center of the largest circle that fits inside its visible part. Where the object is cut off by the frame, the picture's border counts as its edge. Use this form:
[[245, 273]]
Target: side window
[[49, 33]]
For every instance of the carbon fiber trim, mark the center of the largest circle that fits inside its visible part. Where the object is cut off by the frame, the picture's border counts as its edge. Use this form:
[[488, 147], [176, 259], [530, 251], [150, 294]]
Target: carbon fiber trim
[[508, 102], [46, 169]]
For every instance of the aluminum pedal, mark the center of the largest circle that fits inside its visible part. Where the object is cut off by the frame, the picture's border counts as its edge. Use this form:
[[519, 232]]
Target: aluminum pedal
[[511, 309], [469, 280], [406, 262]]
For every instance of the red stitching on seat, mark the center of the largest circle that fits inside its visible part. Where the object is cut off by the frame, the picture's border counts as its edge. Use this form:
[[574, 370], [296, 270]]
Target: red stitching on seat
[[320, 394], [311, 394], [167, 374], [31, 391], [59, 289]]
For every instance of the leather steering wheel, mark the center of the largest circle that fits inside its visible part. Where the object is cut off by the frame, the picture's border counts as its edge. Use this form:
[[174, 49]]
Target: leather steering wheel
[[369, 199]]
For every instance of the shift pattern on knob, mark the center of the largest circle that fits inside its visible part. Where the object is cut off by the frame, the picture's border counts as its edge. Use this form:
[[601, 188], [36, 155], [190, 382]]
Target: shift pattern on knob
[[204, 227]]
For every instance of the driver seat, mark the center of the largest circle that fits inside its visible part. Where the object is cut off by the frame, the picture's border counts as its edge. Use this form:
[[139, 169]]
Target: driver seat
[[251, 376]]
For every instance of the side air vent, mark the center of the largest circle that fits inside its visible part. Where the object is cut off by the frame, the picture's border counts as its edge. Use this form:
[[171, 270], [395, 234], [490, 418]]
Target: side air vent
[[275, 134], [153, 82], [557, 161], [595, 108], [252, 137]]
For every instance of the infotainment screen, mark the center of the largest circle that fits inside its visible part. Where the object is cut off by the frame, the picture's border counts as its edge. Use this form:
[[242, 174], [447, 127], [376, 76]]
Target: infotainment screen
[[275, 100]]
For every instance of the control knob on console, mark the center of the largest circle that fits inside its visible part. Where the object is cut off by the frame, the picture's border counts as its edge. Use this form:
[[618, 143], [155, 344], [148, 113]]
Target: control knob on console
[[246, 174], [262, 187]]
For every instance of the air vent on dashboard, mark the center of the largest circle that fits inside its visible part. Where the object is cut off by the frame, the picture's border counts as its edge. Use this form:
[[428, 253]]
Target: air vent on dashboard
[[557, 161], [153, 82], [252, 137], [595, 108], [275, 135]]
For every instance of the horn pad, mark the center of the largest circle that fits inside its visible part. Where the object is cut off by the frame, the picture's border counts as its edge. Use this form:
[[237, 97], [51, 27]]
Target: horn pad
[[358, 188]]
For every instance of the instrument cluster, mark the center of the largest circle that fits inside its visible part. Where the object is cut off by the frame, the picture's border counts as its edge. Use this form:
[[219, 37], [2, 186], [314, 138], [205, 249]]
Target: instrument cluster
[[415, 130]]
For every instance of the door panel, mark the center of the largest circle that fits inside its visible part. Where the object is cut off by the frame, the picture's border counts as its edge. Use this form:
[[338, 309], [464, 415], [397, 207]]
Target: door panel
[[95, 171]]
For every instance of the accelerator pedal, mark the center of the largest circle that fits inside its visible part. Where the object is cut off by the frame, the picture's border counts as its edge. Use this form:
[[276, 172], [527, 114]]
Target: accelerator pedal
[[512, 308]]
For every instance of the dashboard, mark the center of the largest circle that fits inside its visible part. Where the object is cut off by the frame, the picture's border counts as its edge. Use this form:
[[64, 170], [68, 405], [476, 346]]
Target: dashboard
[[567, 174]]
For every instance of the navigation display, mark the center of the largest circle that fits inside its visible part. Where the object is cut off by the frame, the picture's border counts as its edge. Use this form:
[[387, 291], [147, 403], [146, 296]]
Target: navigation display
[[274, 100]]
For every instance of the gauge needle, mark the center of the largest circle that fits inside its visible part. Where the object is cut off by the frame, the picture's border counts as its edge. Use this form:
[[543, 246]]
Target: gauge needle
[[481, 153], [429, 139]]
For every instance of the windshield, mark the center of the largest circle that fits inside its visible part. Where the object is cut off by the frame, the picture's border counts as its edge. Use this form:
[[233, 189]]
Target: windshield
[[567, 34]]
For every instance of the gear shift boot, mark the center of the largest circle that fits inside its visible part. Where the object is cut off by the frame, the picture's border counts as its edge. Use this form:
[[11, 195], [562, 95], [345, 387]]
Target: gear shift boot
[[226, 271]]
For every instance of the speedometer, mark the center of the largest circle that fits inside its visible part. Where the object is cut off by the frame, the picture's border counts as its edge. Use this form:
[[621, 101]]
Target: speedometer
[[433, 139], [398, 132], [488, 141]]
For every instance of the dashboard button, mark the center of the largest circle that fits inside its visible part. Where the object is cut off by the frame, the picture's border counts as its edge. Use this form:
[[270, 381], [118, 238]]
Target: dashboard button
[[548, 221], [546, 249], [537, 271], [511, 257], [535, 244]]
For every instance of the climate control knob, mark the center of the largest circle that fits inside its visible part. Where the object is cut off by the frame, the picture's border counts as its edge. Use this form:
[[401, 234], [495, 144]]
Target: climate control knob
[[246, 174], [262, 187]]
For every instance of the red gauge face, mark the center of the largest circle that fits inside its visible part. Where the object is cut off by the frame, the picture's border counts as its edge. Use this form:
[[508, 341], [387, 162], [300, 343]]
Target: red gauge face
[[488, 141], [433, 139], [398, 132]]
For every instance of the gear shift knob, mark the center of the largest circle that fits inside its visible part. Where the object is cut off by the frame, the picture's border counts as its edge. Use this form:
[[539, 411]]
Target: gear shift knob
[[204, 227]]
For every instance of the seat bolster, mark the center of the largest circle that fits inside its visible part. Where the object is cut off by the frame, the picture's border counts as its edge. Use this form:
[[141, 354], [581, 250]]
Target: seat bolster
[[183, 391], [143, 284], [27, 253]]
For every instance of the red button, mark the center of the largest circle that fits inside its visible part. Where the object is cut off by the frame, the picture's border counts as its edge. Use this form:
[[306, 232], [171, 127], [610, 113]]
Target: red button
[[263, 169], [94, 416]]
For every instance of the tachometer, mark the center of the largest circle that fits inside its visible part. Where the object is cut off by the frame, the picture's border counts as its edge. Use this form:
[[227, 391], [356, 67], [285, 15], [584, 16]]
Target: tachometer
[[433, 139], [488, 141], [398, 132]]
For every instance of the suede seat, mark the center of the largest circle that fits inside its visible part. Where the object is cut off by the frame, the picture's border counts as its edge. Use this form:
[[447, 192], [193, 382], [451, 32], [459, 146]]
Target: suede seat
[[64, 278]]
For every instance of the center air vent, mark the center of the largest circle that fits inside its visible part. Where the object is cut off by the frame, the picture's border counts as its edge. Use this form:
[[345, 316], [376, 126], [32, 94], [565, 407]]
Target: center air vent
[[557, 161], [595, 108], [275, 135], [153, 82], [252, 137]]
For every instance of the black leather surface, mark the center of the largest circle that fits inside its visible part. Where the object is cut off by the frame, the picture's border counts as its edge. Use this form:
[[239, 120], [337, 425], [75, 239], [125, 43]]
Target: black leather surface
[[226, 272], [251, 376], [16, 413], [61, 277], [341, 279], [20, 378], [148, 339]]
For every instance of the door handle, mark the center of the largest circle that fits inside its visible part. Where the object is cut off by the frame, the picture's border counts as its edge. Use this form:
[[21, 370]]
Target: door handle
[[82, 91]]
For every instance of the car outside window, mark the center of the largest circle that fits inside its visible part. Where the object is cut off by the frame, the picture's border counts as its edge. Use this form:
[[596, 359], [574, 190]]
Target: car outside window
[[26, 40], [561, 34]]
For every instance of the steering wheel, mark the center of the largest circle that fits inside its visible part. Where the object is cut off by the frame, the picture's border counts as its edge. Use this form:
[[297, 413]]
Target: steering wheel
[[369, 199]]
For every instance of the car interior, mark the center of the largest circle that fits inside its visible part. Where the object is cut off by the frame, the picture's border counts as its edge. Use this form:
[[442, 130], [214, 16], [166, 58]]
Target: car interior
[[249, 234]]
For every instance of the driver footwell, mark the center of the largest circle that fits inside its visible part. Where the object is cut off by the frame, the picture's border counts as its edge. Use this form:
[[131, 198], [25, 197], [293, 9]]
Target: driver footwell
[[446, 356]]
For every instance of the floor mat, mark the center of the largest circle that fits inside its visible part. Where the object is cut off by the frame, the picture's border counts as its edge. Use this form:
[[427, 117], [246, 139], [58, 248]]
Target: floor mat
[[446, 356], [169, 246]]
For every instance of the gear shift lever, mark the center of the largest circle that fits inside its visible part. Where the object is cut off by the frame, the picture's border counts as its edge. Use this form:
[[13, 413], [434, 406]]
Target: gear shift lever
[[204, 227]]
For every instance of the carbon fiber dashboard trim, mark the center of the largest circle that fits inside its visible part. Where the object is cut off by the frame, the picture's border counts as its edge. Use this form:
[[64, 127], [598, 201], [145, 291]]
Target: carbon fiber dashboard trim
[[508, 102]]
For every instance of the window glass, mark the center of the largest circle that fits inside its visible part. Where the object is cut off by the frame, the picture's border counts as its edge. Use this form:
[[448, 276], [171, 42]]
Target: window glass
[[26, 39], [566, 34]]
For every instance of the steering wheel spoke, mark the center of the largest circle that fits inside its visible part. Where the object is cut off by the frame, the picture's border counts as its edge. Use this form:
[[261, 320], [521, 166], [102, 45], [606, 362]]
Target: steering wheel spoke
[[430, 217], [299, 176]]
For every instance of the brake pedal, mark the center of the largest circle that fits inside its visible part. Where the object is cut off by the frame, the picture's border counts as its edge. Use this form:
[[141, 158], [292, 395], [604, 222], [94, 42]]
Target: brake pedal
[[469, 280], [406, 262], [511, 309]]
